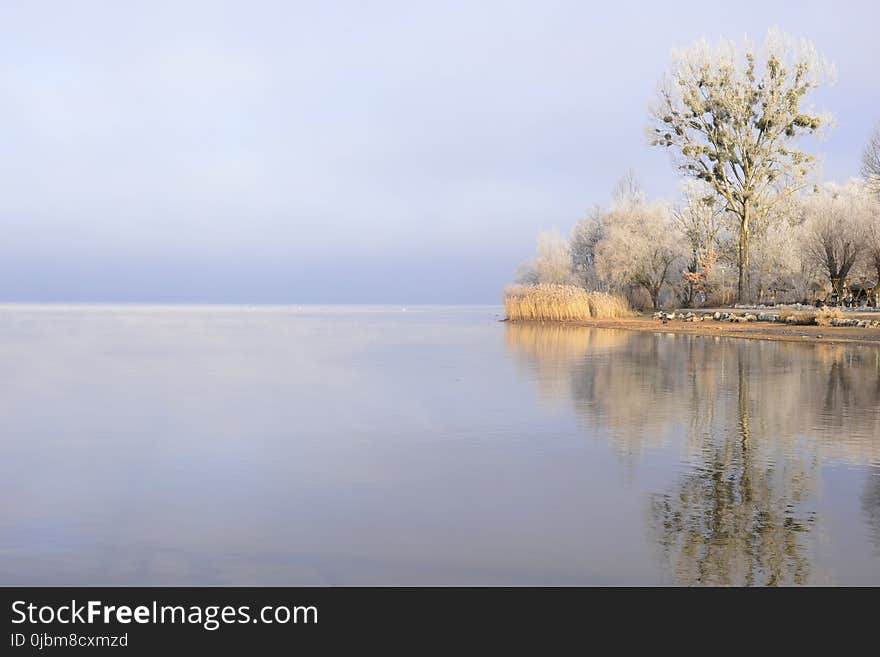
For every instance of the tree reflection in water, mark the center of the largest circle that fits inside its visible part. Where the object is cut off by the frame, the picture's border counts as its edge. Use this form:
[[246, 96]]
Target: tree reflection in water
[[758, 419]]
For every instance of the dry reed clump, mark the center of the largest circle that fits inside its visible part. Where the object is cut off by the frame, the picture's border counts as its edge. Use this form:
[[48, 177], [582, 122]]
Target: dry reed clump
[[799, 317], [821, 317], [562, 303], [609, 306], [824, 316]]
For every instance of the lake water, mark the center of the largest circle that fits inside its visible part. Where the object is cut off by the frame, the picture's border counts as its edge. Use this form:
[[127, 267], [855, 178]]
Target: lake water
[[360, 446]]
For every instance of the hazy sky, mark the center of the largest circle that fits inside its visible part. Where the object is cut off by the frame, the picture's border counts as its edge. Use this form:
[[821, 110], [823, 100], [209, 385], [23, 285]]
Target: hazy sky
[[346, 151]]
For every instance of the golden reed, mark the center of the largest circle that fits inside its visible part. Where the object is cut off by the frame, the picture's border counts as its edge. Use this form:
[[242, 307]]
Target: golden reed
[[562, 303], [821, 317]]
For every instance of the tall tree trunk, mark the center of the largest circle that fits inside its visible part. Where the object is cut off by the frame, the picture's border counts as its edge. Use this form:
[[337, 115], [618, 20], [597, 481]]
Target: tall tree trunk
[[744, 288], [655, 297], [690, 291]]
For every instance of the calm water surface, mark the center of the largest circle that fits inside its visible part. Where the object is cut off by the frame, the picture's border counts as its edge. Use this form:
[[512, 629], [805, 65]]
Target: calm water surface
[[345, 445]]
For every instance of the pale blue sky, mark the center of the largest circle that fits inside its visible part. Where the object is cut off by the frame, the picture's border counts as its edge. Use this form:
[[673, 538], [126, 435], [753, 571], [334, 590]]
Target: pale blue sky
[[346, 151]]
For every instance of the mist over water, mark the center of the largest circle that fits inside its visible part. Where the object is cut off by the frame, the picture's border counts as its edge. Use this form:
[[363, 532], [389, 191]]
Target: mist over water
[[426, 445]]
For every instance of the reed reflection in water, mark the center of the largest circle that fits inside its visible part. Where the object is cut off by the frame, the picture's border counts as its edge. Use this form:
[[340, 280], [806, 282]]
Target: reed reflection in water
[[765, 435]]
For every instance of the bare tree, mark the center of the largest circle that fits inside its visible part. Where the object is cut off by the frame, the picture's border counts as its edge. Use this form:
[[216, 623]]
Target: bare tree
[[553, 259], [872, 245], [836, 223], [733, 115], [628, 190], [552, 262], [871, 172], [641, 248], [700, 221], [585, 237], [526, 274], [782, 271], [871, 162]]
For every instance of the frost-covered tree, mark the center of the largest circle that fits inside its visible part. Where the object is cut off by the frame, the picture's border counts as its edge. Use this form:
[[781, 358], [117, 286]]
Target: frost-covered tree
[[589, 232], [836, 227], [733, 114], [641, 248]]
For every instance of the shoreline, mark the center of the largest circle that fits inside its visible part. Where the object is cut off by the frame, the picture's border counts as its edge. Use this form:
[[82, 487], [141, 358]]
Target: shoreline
[[752, 330]]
